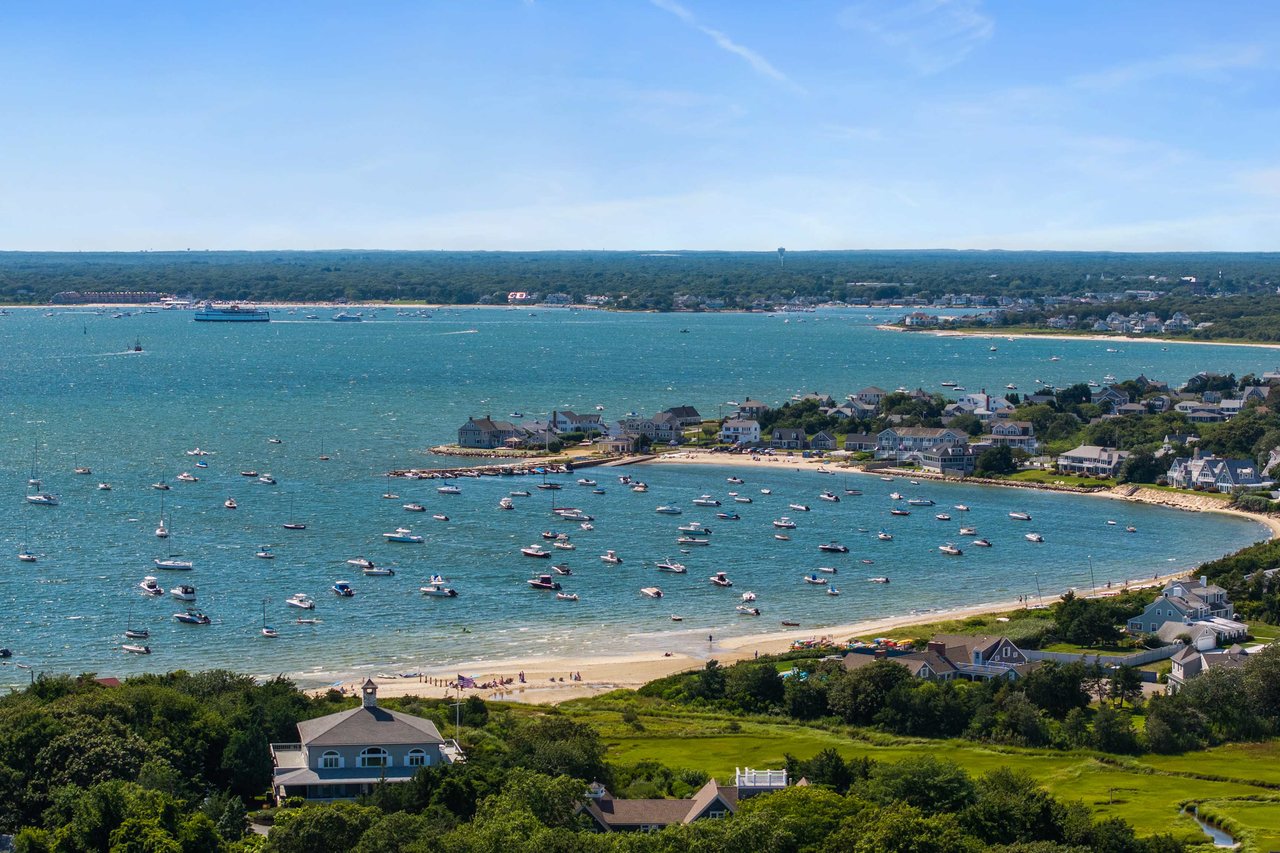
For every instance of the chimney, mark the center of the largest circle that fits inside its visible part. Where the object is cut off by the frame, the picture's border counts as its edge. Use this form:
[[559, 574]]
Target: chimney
[[369, 699], [937, 646]]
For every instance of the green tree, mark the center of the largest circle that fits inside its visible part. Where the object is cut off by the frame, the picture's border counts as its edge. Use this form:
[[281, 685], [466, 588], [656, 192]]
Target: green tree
[[930, 784], [996, 461], [334, 828]]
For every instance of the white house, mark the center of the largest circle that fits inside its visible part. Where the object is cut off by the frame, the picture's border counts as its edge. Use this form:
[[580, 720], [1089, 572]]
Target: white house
[[1092, 461], [740, 431]]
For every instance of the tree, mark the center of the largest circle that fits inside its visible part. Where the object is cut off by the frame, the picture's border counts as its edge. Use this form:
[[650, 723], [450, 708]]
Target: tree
[[966, 423], [996, 461], [859, 696], [334, 828], [1057, 688], [1141, 466], [1126, 684], [1010, 807], [555, 744], [1262, 682], [1113, 731], [754, 687], [930, 784]]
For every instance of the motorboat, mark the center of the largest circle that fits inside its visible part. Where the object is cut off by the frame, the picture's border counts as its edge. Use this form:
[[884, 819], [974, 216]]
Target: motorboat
[[415, 507], [742, 499], [191, 616], [815, 580], [848, 491], [899, 512], [887, 479], [562, 570], [828, 570], [197, 452], [569, 513], [104, 487], [544, 582], [551, 534], [705, 500], [162, 486], [1110, 522], [692, 540], [766, 491], [535, 551], [378, 572], [919, 502], [867, 562], [950, 549], [834, 548], [896, 496], [968, 531], [961, 507], [506, 503], [248, 473], [831, 590], [137, 633], [586, 482], [564, 545], [879, 579], [611, 557], [43, 499], [1011, 387], [671, 566], [342, 589], [1034, 537], [301, 600], [151, 586], [720, 579], [274, 440], [744, 610], [449, 490], [403, 534], [694, 528], [884, 536], [981, 543], [597, 491], [737, 481], [788, 624], [566, 596], [360, 563], [269, 632], [586, 525], [829, 496], [782, 537], [1131, 529], [437, 589], [675, 618], [651, 592], [669, 510], [267, 480], [728, 516], [942, 516], [188, 477], [229, 503], [172, 565], [640, 488], [748, 596], [784, 523], [519, 493], [294, 525], [549, 487], [202, 464], [136, 648], [799, 507], [183, 592], [1020, 516]]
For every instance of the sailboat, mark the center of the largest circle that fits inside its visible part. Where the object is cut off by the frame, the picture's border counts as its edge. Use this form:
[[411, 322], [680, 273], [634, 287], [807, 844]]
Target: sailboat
[[38, 497], [323, 456], [132, 633], [24, 555], [171, 563], [162, 532], [293, 525], [267, 630]]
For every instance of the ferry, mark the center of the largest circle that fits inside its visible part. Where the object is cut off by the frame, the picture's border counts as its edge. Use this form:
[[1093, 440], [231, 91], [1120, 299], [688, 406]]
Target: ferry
[[231, 314]]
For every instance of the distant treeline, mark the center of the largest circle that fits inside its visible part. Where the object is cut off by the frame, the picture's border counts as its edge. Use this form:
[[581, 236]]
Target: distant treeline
[[634, 280]]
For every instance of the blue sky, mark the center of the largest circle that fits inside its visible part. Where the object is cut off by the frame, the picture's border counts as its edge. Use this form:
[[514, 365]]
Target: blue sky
[[565, 124]]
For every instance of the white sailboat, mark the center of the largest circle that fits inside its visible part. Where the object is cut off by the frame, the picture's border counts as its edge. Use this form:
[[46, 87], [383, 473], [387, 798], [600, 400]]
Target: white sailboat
[[171, 562]]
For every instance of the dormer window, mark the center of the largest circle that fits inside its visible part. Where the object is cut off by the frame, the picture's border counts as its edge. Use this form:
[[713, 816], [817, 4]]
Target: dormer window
[[375, 756]]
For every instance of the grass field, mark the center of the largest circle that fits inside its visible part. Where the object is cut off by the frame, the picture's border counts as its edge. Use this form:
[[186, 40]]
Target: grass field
[[1059, 479], [1146, 791]]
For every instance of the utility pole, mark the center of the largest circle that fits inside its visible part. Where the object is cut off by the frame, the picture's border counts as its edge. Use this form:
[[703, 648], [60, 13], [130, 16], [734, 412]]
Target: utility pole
[[1093, 584]]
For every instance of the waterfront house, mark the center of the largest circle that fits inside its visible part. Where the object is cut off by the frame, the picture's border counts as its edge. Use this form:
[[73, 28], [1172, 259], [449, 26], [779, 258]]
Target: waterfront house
[[567, 421], [711, 802], [740, 431], [1109, 397], [786, 438], [1214, 473], [949, 460], [1190, 662], [860, 442], [687, 415], [954, 656], [486, 433], [906, 443], [341, 756], [662, 428], [1092, 461], [1020, 435], [1184, 601], [750, 409], [619, 444], [871, 396], [823, 440]]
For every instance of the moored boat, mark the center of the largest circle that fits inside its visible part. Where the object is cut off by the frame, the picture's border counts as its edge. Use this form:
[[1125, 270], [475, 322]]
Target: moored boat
[[544, 582], [611, 556], [834, 548], [535, 551], [720, 579], [950, 549], [651, 592]]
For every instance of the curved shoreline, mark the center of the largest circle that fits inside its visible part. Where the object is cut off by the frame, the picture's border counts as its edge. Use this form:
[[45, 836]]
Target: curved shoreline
[[1047, 336]]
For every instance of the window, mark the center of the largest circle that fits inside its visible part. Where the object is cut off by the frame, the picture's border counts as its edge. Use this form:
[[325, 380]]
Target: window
[[417, 758], [375, 756], [330, 760]]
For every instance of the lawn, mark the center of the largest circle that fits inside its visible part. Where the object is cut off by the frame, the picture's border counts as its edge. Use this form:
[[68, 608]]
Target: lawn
[[1073, 649], [1264, 633], [1145, 792], [1051, 477]]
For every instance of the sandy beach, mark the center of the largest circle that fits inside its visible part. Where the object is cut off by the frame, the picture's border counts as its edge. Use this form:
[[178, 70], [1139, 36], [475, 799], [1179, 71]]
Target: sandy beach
[[1045, 336]]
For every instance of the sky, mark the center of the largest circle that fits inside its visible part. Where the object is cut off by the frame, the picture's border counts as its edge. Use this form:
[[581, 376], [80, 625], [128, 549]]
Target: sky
[[640, 124]]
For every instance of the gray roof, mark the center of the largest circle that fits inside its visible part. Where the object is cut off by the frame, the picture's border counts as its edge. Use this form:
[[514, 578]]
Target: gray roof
[[613, 812], [368, 727]]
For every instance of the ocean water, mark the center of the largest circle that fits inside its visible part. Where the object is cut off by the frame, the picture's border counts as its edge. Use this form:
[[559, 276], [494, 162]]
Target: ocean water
[[373, 396]]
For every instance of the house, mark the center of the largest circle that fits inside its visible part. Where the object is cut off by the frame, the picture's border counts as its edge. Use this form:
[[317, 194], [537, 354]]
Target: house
[[1093, 461], [786, 438], [823, 400], [687, 415], [1184, 600], [711, 802], [823, 440], [486, 433], [750, 408], [871, 396], [1109, 397], [951, 656], [341, 756], [662, 428], [567, 421], [1020, 435], [861, 442], [622, 444], [950, 460], [1214, 473], [1190, 662], [902, 443], [740, 431]]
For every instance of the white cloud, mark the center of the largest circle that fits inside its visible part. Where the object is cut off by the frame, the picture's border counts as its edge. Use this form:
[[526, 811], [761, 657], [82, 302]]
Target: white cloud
[[1205, 63], [931, 35], [761, 65]]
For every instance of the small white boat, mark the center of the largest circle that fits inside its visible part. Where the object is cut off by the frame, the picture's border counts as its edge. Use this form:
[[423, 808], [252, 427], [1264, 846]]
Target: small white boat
[[675, 618], [968, 531], [720, 579], [569, 513], [104, 487], [372, 571], [229, 503], [942, 516], [269, 632], [728, 516], [748, 596], [694, 528], [1034, 537], [43, 499], [197, 452], [25, 556], [82, 470], [342, 589], [192, 617], [815, 580], [829, 496], [651, 592], [961, 507], [562, 570], [183, 592], [564, 545], [301, 600], [506, 503], [585, 482], [1020, 516], [782, 537], [414, 507], [669, 510], [981, 543], [519, 493], [1131, 529], [611, 557], [671, 566], [1011, 387], [919, 502], [884, 536], [535, 551], [737, 481], [784, 523], [895, 496], [887, 479], [950, 549], [831, 590], [136, 649], [766, 491], [188, 477], [705, 500], [586, 525], [162, 532], [173, 565], [742, 500], [544, 582], [439, 516], [1109, 521], [879, 579], [267, 480], [744, 610], [449, 490], [692, 540], [360, 563], [162, 486], [640, 488], [799, 507], [567, 596], [834, 548], [274, 440], [403, 534], [438, 590], [151, 586], [828, 570]]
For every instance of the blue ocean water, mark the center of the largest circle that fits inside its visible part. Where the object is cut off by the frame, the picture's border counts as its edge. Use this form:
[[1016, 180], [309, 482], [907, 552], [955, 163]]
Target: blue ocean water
[[374, 395]]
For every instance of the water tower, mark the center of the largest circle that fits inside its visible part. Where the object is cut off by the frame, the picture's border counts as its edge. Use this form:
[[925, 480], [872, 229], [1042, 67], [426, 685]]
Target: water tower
[[782, 256]]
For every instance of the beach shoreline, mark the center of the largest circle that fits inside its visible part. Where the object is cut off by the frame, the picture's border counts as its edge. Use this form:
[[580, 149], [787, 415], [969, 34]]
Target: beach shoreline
[[1047, 336]]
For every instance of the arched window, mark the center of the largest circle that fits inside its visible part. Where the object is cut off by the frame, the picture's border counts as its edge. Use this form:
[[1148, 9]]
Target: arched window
[[417, 758], [331, 760], [375, 756]]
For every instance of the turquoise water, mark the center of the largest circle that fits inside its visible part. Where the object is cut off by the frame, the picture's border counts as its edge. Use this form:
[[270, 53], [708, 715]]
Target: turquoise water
[[374, 395]]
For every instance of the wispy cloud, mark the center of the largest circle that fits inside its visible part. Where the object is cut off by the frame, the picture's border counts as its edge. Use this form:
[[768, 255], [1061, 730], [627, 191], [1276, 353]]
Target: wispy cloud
[[762, 66], [931, 35], [1205, 63]]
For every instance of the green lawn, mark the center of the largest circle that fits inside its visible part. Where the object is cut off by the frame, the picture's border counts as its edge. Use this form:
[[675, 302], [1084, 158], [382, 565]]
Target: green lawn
[[1073, 649], [1146, 792], [1264, 633], [1060, 479]]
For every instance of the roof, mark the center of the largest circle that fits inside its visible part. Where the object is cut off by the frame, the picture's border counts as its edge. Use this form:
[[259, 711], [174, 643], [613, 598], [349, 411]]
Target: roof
[[741, 422], [1093, 451], [610, 811], [367, 727], [684, 412]]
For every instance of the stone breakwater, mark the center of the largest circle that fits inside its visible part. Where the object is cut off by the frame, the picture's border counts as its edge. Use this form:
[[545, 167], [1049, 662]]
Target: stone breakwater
[[985, 481]]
